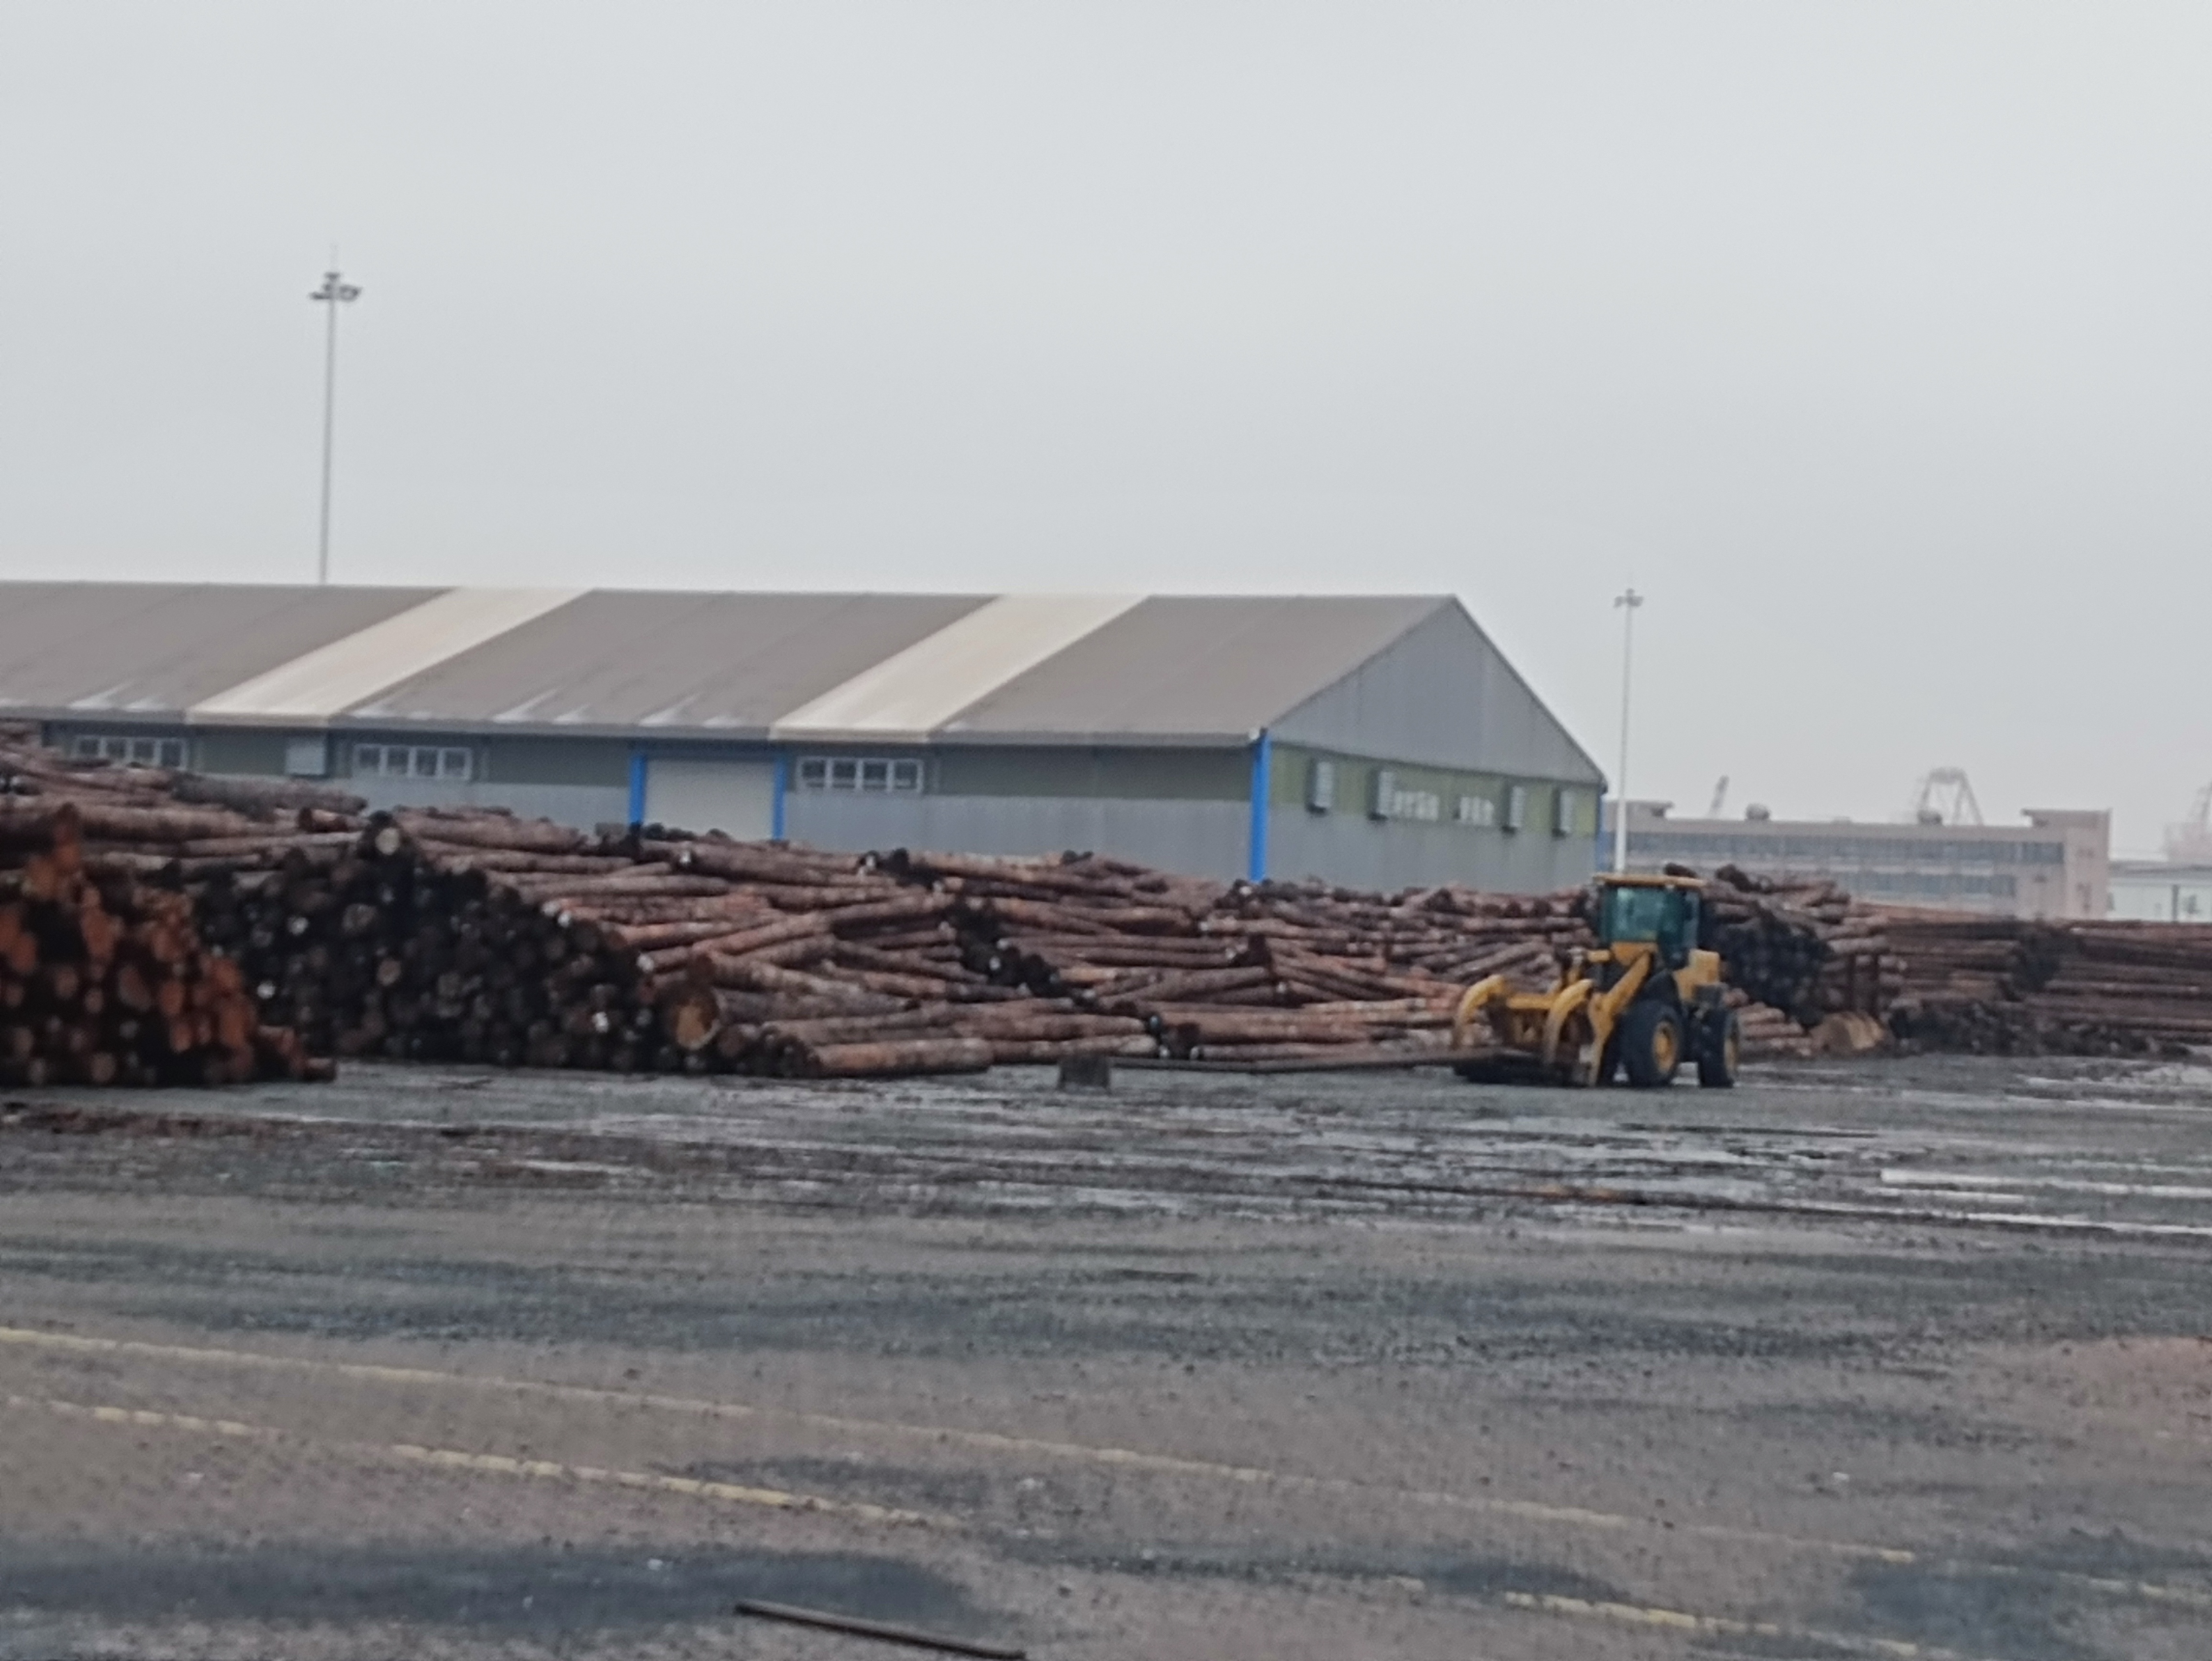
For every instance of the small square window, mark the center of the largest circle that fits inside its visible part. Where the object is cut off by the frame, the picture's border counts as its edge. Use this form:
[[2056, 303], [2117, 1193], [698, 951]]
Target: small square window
[[813, 773], [1382, 794], [87, 747], [906, 776], [875, 776], [171, 753], [844, 775], [454, 765]]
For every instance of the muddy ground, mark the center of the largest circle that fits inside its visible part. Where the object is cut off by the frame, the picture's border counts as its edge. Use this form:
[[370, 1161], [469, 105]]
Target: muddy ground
[[1895, 1358]]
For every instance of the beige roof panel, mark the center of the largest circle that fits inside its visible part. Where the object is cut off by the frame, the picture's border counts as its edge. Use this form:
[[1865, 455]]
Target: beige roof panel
[[154, 649], [911, 693], [316, 685], [670, 663]]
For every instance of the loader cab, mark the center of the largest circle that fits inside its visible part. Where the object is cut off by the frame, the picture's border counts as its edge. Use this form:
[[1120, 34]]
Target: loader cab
[[1659, 911]]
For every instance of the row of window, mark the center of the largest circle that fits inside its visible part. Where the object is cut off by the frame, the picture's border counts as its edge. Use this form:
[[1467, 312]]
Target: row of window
[[1388, 800], [1908, 885], [414, 761], [137, 752], [1713, 846], [868, 773], [873, 775], [451, 761]]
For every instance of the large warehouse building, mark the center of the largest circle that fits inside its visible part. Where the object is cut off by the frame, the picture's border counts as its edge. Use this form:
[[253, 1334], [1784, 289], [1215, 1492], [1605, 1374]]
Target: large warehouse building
[[1375, 742]]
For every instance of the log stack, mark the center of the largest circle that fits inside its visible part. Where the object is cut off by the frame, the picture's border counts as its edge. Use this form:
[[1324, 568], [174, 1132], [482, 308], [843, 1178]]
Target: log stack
[[469, 935], [1805, 947], [2013, 986], [1240, 973], [106, 979]]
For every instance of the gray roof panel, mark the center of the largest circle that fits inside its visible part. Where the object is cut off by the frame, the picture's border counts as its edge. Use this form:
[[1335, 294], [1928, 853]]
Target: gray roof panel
[[154, 649], [1192, 668], [706, 663]]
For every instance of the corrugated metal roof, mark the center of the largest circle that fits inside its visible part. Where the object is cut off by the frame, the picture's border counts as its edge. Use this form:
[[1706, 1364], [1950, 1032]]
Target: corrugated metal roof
[[156, 648], [724, 665], [1193, 667], [941, 667], [332, 678], [911, 694]]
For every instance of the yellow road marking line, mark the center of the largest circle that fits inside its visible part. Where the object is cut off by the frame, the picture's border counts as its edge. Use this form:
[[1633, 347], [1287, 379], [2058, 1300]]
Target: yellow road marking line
[[1719, 1626], [493, 1464], [1121, 1458], [485, 1464], [1532, 1511]]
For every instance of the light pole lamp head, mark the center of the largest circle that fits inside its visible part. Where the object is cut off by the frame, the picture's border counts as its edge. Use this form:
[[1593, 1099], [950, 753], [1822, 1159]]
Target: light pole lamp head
[[1628, 598], [334, 288]]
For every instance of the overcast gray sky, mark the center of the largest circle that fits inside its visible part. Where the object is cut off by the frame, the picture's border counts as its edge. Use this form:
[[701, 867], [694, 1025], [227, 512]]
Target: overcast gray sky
[[1870, 341]]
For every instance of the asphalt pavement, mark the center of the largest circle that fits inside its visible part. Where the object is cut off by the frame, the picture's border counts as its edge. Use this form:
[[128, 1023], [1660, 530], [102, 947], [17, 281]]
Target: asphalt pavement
[[1900, 1359]]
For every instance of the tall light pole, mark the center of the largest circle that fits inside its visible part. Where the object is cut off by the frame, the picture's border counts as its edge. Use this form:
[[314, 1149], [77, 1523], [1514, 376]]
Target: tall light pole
[[335, 292], [1625, 603]]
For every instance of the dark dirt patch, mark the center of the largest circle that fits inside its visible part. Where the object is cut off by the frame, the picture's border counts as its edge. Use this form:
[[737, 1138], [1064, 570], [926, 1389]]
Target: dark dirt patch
[[532, 1589]]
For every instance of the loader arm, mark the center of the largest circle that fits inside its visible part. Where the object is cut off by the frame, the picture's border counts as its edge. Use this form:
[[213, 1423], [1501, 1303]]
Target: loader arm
[[1569, 999], [1477, 997], [1606, 1007]]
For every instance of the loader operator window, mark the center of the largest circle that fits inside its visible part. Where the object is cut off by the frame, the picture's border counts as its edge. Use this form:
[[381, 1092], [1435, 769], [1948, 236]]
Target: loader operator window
[[1666, 917], [1636, 914]]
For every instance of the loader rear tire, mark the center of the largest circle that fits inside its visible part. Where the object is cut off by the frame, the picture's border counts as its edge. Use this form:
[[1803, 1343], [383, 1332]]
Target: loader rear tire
[[1651, 1044], [1721, 1050]]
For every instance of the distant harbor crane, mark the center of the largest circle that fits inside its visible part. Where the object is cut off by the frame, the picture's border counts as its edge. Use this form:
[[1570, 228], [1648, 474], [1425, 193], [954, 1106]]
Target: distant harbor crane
[[2190, 843], [1945, 797]]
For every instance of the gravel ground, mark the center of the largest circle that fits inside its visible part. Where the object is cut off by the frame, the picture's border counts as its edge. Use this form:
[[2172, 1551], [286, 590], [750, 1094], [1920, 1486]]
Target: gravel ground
[[1897, 1358]]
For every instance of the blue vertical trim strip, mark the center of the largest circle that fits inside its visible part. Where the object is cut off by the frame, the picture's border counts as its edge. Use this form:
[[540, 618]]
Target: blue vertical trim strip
[[637, 787], [782, 786], [1263, 759]]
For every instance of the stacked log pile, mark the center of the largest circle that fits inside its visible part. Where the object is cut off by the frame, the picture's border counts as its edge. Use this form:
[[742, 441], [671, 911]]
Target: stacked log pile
[[1804, 947], [469, 935], [2012, 986], [1244, 973], [106, 979]]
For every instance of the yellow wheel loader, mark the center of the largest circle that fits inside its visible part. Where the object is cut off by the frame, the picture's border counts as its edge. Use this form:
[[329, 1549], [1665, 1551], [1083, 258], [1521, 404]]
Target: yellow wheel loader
[[1642, 1001]]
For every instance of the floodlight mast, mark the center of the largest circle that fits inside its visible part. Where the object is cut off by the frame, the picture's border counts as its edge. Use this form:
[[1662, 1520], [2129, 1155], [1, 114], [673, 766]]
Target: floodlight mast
[[335, 292], [1626, 602]]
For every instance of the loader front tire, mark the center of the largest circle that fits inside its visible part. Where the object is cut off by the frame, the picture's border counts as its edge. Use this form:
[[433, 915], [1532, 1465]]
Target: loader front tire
[[1651, 1043]]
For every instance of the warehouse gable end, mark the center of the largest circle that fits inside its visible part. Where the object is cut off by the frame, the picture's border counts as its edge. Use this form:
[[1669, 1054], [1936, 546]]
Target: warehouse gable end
[[1441, 695]]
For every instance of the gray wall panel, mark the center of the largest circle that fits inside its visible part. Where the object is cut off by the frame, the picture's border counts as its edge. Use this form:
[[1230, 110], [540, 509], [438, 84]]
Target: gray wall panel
[[238, 750], [1133, 775], [1443, 695], [1363, 852], [1203, 839], [557, 761]]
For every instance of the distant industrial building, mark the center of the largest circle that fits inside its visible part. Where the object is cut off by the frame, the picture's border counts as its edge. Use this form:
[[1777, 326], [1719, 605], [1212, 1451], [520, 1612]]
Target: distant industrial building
[[2162, 891], [1372, 741], [2056, 865]]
